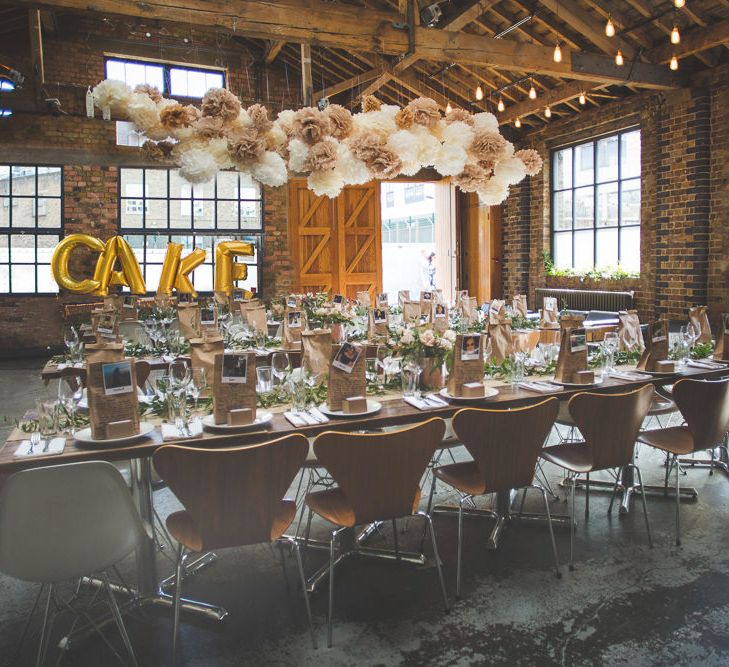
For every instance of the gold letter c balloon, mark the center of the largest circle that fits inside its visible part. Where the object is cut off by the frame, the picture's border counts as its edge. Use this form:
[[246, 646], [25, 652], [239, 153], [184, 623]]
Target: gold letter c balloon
[[59, 263]]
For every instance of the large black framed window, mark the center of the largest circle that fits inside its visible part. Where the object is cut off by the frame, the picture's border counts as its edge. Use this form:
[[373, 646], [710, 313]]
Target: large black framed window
[[31, 226], [157, 206], [595, 195]]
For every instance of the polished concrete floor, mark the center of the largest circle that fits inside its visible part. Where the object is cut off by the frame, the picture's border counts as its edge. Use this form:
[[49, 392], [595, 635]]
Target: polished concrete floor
[[624, 604]]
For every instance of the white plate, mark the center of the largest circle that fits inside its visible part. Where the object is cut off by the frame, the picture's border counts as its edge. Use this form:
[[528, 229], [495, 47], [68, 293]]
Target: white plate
[[489, 392], [261, 419], [83, 404], [372, 408], [84, 435], [576, 384]]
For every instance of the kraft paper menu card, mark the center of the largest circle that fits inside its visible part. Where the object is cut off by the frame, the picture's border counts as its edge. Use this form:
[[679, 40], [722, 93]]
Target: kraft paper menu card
[[656, 346], [234, 384], [699, 318], [256, 318], [440, 317], [467, 366], [112, 397], [363, 299], [379, 321], [293, 325], [499, 330], [403, 295], [411, 312], [316, 351], [721, 351], [550, 317], [381, 300], [203, 352], [188, 318], [346, 374], [469, 309], [572, 357], [129, 307], [519, 304], [104, 351], [630, 336]]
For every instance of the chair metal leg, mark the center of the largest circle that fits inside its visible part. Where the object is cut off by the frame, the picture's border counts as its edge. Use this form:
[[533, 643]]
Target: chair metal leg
[[587, 495], [41, 655], [428, 510], [436, 555], [394, 537], [678, 502], [179, 576], [572, 524], [549, 525], [302, 578], [332, 542], [308, 527], [645, 505], [460, 546], [618, 477], [118, 619]]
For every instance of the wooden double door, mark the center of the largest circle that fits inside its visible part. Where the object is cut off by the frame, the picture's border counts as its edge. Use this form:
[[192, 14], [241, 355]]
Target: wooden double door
[[336, 243]]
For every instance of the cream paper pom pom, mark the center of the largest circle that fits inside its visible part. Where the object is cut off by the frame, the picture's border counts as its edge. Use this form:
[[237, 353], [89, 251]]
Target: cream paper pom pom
[[276, 138], [218, 148], [351, 170], [510, 171], [508, 150], [270, 170], [485, 122], [327, 182], [382, 121], [143, 112], [493, 193], [405, 144], [197, 166], [458, 134], [428, 146], [113, 95], [285, 120], [451, 160], [532, 161], [298, 152]]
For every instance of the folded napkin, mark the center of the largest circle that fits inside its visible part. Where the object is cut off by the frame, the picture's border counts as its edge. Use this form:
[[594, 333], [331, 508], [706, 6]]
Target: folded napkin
[[705, 363], [56, 446], [539, 386], [431, 403], [630, 376], [62, 365], [310, 417], [171, 432]]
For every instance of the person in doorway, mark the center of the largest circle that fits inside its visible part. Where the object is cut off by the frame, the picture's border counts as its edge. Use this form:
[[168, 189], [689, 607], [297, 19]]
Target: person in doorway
[[427, 271]]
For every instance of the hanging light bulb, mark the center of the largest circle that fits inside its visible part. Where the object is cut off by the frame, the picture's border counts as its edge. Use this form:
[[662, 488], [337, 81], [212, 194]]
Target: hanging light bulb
[[517, 122], [532, 93], [501, 105], [548, 112], [479, 92], [674, 63], [675, 35], [679, 3], [582, 99], [449, 108], [557, 54], [610, 27], [619, 58]]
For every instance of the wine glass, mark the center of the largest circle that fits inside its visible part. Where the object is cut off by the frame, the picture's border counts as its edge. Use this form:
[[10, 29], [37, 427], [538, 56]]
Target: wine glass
[[180, 374], [280, 364], [47, 422], [70, 338], [198, 384], [610, 346], [68, 399]]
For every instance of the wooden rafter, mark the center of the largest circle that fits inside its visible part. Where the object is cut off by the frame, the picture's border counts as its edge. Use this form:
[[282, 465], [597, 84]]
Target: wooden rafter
[[352, 82], [693, 42], [559, 95], [274, 48]]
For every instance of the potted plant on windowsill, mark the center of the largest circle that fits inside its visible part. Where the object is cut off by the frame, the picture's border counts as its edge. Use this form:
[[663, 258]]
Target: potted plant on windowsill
[[611, 278]]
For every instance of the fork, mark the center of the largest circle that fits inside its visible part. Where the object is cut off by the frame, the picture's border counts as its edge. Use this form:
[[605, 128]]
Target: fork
[[35, 439]]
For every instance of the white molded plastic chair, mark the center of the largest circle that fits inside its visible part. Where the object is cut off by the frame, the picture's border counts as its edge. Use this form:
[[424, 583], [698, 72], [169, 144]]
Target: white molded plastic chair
[[60, 523]]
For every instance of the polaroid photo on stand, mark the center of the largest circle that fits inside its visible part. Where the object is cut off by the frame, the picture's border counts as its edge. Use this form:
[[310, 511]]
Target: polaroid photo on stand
[[659, 332], [129, 301], [440, 311], [426, 296], [470, 347], [207, 316], [294, 320], [117, 377], [106, 324], [291, 301], [346, 357], [379, 316], [381, 299], [235, 369], [184, 297], [338, 299], [578, 342]]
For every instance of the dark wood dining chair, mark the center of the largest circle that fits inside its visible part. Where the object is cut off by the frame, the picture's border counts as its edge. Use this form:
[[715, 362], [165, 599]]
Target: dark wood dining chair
[[232, 497], [142, 369], [505, 446], [609, 424], [378, 479], [704, 405]]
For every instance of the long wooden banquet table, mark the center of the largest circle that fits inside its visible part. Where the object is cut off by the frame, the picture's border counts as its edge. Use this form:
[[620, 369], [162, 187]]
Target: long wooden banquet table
[[394, 412]]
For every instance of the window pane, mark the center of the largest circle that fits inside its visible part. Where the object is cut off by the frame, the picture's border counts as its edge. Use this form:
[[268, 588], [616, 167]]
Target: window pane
[[584, 250], [128, 135], [49, 181], [227, 185], [156, 214], [607, 247], [607, 205], [584, 164], [562, 166], [630, 202], [181, 221], [215, 80], [563, 250], [23, 212], [131, 213], [630, 248], [4, 279], [5, 211], [152, 275], [156, 182], [178, 82], [23, 179], [607, 159], [49, 213], [115, 70], [196, 84], [46, 243], [178, 186], [4, 179], [4, 249], [46, 282], [23, 278], [630, 154], [131, 177], [204, 214], [563, 210], [250, 215], [584, 207]]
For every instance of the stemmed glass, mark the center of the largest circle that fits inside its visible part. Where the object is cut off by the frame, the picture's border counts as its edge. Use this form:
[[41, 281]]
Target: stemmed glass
[[280, 363], [71, 339], [689, 335], [68, 399], [198, 384], [610, 347], [180, 375], [47, 424], [519, 370]]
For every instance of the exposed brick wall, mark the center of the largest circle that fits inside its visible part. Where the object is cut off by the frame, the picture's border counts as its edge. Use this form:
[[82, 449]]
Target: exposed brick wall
[[684, 197], [87, 148]]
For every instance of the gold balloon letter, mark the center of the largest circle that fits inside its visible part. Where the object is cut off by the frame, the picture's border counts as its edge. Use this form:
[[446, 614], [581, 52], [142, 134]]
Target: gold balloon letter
[[176, 271], [227, 271], [59, 263], [130, 274], [187, 266]]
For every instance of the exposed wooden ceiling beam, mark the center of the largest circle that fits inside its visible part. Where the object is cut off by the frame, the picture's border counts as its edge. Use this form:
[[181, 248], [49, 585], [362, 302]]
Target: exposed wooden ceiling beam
[[470, 14], [352, 82], [274, 48], [307, 89], [551, 97], [692, 42], [363, 29]]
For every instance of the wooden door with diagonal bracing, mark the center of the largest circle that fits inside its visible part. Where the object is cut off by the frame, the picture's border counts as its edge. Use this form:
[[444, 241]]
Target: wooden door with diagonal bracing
[[336, 243]]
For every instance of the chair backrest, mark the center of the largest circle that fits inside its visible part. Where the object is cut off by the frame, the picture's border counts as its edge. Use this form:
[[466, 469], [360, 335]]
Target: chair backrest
[[142, 370], [379, 473], [705, 407], [505, 444], [610, 423], [62, 522], [233, 495]]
